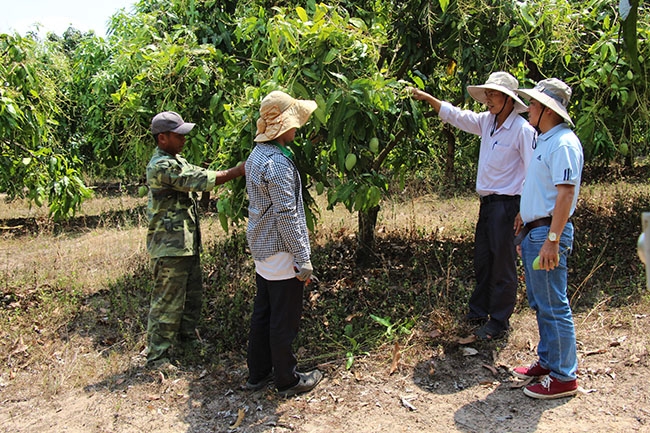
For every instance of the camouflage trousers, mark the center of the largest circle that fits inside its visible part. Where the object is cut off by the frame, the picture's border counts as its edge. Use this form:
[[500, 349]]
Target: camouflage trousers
[[176, 301]]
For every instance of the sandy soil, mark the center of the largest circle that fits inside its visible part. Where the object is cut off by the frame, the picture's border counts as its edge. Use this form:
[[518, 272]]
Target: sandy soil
[[432, 390]]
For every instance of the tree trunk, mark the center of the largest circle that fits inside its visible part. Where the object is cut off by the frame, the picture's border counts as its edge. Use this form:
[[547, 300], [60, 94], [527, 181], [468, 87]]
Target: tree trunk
[[366, 242]]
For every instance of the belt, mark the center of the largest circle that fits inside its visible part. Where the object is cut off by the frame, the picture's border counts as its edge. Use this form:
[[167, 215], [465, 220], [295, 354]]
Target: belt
[[546, 221], [497, 197]]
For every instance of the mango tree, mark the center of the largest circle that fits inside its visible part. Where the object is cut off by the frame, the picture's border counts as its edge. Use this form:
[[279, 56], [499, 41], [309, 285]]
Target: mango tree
[[38, 158], [587, 45], [362, 116]]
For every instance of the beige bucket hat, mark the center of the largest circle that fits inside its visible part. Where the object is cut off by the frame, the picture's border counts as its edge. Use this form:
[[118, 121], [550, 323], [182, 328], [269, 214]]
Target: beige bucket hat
[[280, 112], [503, 82], [552, 93]]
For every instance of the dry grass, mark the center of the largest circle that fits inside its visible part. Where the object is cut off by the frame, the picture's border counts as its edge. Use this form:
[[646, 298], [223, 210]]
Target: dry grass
[[48, 281]]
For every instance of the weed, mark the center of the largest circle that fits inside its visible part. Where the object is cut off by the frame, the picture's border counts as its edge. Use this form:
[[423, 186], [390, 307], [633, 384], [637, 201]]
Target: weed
[[92, 294]]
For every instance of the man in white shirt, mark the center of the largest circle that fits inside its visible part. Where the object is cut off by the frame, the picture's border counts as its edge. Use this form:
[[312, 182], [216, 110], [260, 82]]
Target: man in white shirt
[[506, 149]]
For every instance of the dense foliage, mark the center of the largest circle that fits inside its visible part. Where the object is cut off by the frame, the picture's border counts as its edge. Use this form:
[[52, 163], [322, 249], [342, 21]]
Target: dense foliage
[[78, 106]]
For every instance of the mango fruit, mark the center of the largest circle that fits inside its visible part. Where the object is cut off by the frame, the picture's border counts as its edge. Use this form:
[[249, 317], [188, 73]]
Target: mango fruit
[[350, 161]]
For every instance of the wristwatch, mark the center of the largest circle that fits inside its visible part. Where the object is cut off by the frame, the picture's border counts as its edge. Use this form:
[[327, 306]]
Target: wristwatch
[[552, 237]]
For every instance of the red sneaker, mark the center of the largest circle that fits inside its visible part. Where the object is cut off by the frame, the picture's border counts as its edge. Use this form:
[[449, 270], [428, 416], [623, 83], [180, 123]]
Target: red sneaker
[[552, 388], [534, 370]]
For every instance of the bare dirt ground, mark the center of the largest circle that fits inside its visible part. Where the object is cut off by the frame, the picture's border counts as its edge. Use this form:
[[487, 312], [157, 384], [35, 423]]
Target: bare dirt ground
[[431, 387], [431, 391]]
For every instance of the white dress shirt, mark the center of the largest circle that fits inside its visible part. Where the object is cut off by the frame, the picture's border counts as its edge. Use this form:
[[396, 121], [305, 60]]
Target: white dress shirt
[[505, 152]]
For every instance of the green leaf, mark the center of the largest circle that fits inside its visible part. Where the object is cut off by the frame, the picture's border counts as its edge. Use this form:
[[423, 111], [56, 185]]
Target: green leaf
[[443, 5], [340, 77], [385, 321], [302, 14], [331, 56]]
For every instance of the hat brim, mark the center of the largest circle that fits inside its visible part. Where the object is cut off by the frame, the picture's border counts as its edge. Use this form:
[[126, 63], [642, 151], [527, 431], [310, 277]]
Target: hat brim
[[294, 117], [547, 101], [185, 128], [478, 93]]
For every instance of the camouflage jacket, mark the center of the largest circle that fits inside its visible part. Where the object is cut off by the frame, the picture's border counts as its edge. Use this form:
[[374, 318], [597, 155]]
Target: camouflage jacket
[[172, 208]]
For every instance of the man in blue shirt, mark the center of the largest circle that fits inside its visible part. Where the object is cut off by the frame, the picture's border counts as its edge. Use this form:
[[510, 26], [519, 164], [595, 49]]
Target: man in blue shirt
[[548, 200]]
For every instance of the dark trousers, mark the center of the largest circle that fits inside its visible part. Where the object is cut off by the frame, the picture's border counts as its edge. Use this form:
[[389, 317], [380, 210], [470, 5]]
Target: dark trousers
[[277, 311], [495, 265]]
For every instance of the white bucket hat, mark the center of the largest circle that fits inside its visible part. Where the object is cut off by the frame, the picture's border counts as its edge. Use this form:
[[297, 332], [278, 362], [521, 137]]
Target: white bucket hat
[[280, 112], [552, 93], [502, 82]]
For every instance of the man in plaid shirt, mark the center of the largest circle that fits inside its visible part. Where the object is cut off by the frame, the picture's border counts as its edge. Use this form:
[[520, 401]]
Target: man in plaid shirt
[[279, 242]]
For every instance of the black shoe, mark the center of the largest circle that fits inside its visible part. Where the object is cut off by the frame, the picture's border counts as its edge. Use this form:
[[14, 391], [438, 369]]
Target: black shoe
[[475, 322], [256, 386], [307, 382], [490, 331]]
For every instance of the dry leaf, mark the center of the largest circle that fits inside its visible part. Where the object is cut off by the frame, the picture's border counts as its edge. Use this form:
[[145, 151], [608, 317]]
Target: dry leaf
[[491, 368], [240, 418], [19, 347], [530, 345], [521, 384], [467, 340], [586, 391], [396, 356], [469, 351], [618, 341], [435, 333], [407, 404]]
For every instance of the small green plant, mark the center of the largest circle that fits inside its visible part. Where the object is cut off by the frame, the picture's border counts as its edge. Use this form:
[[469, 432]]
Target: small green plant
[[393, 330], [355, 349]]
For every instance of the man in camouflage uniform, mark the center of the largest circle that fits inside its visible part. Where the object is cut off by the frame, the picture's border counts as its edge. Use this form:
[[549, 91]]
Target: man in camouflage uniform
[[174, 238]]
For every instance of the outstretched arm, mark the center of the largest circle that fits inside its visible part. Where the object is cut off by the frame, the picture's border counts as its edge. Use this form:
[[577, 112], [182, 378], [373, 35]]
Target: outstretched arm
[[424, 96], [224, 176]]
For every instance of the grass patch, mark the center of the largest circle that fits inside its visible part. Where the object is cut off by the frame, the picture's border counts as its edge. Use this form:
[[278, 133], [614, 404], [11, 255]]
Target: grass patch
[[76, 304]]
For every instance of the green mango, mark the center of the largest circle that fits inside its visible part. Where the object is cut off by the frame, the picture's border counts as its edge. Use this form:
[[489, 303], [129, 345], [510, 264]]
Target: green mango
[[374, 145], [350, 161], [536, 262]]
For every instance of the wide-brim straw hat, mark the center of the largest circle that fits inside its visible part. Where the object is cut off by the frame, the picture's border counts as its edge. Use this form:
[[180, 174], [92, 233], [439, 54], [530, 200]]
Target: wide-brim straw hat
[[280, 112], [552, 93], [502, 82]]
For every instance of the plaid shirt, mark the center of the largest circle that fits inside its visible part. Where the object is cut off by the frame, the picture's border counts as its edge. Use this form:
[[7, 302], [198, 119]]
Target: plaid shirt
[[276, 214]]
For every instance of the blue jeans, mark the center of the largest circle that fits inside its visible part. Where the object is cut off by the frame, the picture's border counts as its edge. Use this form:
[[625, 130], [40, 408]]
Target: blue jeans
[[547, 295]]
